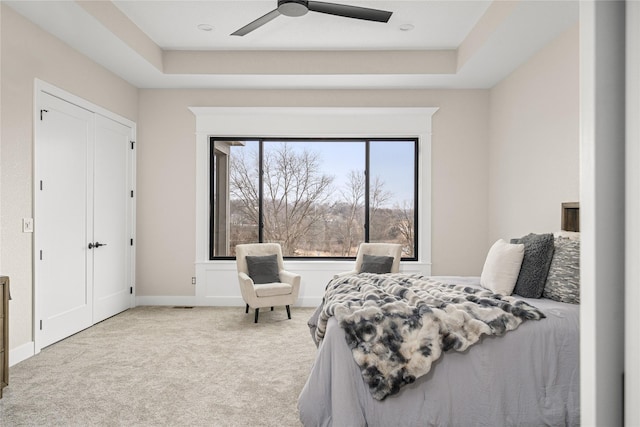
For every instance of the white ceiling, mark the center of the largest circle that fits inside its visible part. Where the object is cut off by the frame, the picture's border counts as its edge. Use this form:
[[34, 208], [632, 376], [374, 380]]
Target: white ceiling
[[171, 25]]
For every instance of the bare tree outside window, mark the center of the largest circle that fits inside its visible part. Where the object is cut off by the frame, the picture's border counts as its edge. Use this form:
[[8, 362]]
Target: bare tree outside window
[[404, 223], [379, 197], [243, 189], [392, 194], [296, 190], [350, 214]]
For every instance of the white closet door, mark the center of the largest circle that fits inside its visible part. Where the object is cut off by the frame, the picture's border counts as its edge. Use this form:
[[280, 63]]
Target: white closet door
[[83, 210], [112, 199], [63, 219]]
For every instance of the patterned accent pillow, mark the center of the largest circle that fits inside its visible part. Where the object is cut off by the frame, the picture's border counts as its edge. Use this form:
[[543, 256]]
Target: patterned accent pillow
[[563, 280], [538, 253]]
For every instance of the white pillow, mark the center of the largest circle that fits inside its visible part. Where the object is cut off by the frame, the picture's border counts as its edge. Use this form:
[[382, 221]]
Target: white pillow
[[502, 266]]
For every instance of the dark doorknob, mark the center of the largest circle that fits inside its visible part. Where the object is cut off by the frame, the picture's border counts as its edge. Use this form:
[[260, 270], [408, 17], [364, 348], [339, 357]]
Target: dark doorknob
[[96, 245]]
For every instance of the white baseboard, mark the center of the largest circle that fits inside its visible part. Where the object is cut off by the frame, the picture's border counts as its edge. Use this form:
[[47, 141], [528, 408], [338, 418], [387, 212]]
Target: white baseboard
[[309, 302], [166, 300], [213, 301], [219, 301], [21, 353]]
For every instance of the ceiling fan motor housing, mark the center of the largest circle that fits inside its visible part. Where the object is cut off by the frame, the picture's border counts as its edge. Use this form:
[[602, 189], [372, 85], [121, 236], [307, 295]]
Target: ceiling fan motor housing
[[293, 7]]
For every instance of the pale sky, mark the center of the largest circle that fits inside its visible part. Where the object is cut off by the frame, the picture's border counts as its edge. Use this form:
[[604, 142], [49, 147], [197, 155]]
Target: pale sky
[[392, 161]]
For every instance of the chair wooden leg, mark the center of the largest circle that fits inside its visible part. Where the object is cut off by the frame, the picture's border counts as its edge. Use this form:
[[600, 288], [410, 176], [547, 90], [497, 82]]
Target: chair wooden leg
[[288, 312], [255, 320], [246, 310]]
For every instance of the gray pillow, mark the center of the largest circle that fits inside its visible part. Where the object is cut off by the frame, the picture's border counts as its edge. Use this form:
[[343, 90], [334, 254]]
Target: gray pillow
[[563, 281], [263, 269], [538, 253], [376, 264]]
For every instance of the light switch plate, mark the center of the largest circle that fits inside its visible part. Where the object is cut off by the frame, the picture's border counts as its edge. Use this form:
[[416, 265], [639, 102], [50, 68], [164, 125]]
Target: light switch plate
[[27, 225]]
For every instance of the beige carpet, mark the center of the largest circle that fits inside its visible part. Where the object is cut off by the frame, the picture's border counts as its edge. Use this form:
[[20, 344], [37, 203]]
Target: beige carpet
[[164, 366]]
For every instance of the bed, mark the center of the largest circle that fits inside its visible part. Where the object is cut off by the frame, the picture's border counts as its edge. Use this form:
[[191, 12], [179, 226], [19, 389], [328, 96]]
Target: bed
[[528, 376]]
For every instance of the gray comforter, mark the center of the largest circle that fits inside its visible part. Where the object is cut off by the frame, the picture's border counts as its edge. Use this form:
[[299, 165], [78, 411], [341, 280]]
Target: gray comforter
[[529, 377]]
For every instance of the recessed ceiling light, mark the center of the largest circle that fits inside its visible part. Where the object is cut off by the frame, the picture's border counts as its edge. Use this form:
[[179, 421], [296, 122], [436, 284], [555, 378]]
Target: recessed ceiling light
[[406, 27], [205, 27]]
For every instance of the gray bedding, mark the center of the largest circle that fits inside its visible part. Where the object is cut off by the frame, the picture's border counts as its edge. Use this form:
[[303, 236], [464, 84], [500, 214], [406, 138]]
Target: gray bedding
[[528, 377]]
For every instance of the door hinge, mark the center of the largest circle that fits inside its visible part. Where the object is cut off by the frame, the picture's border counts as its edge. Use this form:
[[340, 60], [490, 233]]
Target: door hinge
[[40, 254], [131, 290], [40, 324], [40, 185], [131, 242], [132, 144], [43, 111], [132, 193]]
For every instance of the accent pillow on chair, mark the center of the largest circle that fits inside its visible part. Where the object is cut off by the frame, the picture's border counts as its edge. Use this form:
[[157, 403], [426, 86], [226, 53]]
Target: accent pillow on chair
[[376, 264], [263, 269], [501, 267]]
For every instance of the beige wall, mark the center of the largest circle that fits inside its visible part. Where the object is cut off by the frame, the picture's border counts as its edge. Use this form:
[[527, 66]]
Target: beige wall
[[534, 148], [166, 177], [29, 53]]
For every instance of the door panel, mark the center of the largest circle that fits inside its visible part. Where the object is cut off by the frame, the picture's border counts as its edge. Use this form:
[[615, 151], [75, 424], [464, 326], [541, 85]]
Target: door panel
[[63, 188], [84, 178], [112, 198]]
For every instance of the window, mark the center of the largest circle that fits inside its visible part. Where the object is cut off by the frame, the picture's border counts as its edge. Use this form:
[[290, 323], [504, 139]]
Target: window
[[318, 198]]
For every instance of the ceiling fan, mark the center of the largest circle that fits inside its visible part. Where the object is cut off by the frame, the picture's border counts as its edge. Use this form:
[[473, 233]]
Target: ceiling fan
[[301, 7]]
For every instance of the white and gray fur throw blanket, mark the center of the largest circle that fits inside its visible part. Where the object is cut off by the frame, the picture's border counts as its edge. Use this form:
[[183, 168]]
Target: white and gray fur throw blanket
[[398, 324]]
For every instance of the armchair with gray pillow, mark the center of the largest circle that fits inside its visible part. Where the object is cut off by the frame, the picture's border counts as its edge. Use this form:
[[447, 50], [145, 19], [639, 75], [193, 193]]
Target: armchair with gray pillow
[[376, 258], [263, 280]]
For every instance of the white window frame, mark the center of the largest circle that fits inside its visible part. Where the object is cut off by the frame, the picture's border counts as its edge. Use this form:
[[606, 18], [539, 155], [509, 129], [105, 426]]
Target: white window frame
[[311, 122]]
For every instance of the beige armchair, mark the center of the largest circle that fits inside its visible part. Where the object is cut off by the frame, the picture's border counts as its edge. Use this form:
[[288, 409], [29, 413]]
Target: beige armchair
[[274, 286], [393, 250]]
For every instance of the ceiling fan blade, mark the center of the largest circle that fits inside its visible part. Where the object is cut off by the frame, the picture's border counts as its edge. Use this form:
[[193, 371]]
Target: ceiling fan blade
[[257, 23], [350, 11]]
